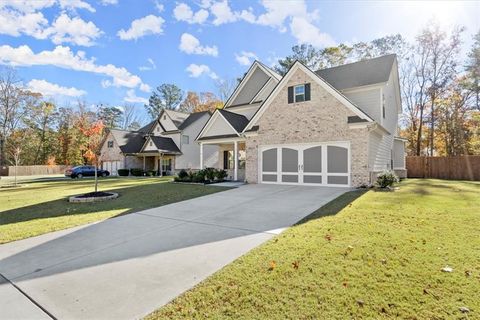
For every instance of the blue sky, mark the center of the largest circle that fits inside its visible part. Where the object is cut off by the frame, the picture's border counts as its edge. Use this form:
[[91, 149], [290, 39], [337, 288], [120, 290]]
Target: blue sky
[[116, 51]]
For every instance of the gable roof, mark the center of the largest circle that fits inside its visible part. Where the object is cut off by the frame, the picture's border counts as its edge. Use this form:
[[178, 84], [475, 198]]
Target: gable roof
[[165, 144], [148, 128], [327, 86], [191, 119], [360, 73], [237, 121], [128, 141]]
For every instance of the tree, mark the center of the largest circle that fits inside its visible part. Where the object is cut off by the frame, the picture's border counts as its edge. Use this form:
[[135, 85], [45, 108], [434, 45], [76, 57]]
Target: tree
[[110, 116], [306, 54], [41, 119], [225, 88], [93, 131], [190, 102], [473, 69], [165, 96], [130, 118], [13, 106]]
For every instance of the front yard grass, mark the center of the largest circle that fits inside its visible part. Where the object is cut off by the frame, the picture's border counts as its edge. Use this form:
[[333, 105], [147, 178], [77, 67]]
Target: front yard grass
[[373, 255], [42, 207]]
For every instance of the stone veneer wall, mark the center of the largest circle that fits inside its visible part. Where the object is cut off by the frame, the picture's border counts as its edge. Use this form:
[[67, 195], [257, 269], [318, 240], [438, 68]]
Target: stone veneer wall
[[321, 119], [111, 154]]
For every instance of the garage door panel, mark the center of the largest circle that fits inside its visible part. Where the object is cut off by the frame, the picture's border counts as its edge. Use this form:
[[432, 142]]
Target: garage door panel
[[312, 159], [312, 179], [337, 159], [269, 160], [337, 180], [269, 177], [290, 178], [289, 160]]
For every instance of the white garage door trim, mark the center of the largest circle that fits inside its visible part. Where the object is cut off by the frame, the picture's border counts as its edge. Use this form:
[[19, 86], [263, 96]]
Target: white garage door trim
[[112, 166], [290, 175]]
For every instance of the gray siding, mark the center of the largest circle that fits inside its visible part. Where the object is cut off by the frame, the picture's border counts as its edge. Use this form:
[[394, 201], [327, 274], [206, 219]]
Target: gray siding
[[190, 158], [380, 151], [219, 127], [251, 88], [248, 112], [266, 90], [367, 100]]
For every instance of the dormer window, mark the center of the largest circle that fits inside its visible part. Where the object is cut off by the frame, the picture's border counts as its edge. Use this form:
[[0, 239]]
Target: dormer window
[[299, 93], [110, 144]]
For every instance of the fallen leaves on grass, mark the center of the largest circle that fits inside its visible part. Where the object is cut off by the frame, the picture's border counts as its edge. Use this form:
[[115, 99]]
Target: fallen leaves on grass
[[272, 265], [295, 265]]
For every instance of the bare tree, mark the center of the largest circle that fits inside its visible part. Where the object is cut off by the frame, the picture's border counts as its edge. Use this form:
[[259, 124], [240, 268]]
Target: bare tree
[[12, 106], [130, 116], [16, 161], [225, 88]]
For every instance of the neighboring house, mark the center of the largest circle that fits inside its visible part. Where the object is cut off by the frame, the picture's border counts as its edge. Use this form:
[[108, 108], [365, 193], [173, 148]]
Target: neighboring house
[[165, 145], [331, 127]]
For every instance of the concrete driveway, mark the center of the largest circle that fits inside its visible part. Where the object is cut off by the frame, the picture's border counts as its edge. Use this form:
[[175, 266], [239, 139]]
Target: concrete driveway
[[128, 266]]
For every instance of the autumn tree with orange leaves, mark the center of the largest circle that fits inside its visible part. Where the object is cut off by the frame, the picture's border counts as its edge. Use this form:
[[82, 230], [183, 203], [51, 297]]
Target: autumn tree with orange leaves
[[93, 133]]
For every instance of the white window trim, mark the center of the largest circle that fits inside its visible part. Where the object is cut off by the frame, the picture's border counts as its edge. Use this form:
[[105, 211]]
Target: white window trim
[[300, 94]]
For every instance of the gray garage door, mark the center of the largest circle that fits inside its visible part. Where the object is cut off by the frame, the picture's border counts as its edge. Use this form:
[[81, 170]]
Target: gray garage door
[[317, 164]]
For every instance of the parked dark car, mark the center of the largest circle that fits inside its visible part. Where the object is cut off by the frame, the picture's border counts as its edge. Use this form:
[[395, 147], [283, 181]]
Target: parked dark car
[[85, 171]]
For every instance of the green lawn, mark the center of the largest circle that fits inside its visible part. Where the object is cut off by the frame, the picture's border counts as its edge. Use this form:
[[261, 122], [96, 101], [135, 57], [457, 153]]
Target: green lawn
[[373, 255], [42, 207]]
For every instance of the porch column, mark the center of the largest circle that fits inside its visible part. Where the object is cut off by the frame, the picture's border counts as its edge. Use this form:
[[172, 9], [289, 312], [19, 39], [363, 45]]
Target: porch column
[[201, 155], [235, 161], [143, 163], [161, 164]]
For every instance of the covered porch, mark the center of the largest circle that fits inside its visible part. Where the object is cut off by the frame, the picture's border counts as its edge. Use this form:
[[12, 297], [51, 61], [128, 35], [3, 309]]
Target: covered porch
[[231, 157], [162, 163]]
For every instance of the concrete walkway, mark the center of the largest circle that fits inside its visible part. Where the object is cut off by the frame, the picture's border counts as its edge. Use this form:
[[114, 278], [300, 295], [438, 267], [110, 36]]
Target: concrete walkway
[[128, 266]]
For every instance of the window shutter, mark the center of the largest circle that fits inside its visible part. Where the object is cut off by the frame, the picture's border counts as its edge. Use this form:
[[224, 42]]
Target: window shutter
[[290, 94], [307, 91]]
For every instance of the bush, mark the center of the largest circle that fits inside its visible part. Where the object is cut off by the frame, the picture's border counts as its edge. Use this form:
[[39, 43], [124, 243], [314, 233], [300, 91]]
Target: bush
[[151, 173], [183, 174], [386, 179], [123, 172], [136, 172], [209, 173], [221, 175], [199, 177]]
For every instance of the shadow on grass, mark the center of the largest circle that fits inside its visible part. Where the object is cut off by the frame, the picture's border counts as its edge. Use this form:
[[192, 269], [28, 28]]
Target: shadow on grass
[[131, 199], [334, 206]]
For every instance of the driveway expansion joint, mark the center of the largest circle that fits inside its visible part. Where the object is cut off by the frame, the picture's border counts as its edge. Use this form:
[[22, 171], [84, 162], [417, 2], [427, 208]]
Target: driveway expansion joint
[[26, 295]]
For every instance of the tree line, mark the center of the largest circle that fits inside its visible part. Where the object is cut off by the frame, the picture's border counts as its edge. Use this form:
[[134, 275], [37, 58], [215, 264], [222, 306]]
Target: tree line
[[439, 88]]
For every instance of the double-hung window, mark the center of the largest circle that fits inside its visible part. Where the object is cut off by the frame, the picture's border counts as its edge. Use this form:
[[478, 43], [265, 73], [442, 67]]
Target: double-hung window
[[299, 93]]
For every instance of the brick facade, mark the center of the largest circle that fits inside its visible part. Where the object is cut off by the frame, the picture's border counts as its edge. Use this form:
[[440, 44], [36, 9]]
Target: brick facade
[[321, 119]]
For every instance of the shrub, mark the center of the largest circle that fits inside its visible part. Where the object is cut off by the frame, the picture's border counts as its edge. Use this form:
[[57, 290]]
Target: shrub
[[199, 176], [221, 174], [386, 179], [151, 173], [123, 172], [183, 174], [209, 173], [136, 172]]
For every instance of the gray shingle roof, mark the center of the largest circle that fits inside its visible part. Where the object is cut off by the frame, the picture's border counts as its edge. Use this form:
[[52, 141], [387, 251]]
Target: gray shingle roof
[[128, 141], [361, 73], [191, 119], [148, 127], [238, 121], [166, 145]]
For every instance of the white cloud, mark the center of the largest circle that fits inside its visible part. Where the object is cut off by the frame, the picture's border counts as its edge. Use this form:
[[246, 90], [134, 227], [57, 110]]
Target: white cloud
[[75, 4], [108, 2], [191, 45], [245, 58], [51, 89], [151, 66], [145, 87], [141, 27], [133, 98], [196, 70], [28, 6], [183, 12], [64, 58], [306, 32], [76, 31], [222, 12], [159, 7], [15, 23]]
